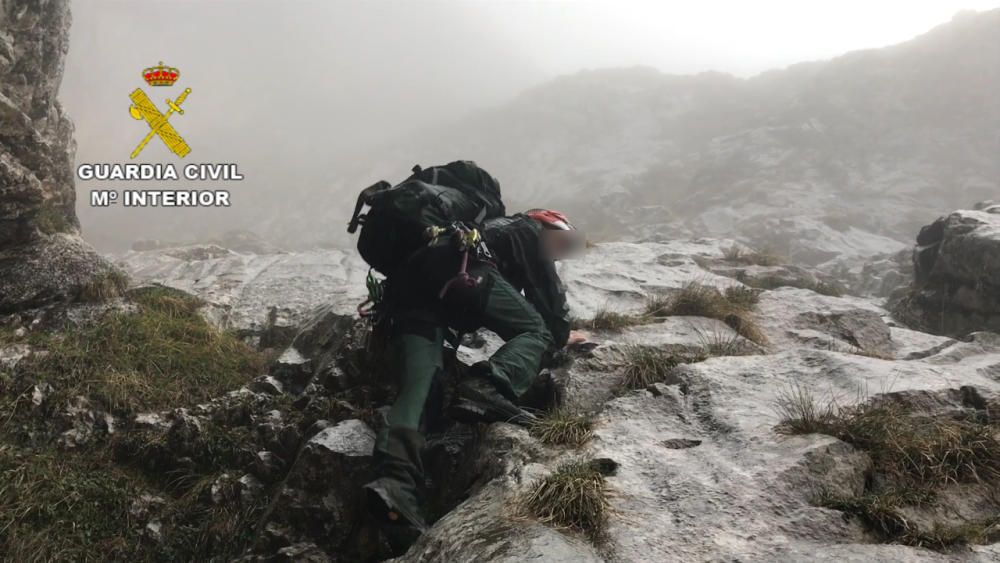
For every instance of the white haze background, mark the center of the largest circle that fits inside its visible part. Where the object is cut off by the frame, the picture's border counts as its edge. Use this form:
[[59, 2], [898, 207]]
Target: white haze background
[[292, 90]]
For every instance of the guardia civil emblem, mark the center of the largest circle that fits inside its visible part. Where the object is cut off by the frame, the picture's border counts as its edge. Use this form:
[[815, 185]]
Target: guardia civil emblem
[[144, 109]]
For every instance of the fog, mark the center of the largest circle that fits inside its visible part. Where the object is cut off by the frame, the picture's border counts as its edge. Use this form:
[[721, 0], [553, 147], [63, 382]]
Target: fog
[[293, 91]]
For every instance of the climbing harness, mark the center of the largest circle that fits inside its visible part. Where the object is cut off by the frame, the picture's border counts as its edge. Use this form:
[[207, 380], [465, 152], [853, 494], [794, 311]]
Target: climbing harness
[[469, 241]]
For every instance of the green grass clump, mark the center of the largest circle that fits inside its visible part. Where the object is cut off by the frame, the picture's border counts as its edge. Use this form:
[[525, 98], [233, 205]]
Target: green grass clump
[[693, 299], [914, 455], [104, 286], [56, 506], [214, 449], [204, 531], [563, 428], [62, 507], [882, 515], [161, 355], [573, 497], [720, 344], [801, 412], [697, 300], [917, 451], [646, 365]]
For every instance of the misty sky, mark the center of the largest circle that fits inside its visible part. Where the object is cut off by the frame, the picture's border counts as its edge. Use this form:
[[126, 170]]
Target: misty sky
[[292, 89], [733, 36]]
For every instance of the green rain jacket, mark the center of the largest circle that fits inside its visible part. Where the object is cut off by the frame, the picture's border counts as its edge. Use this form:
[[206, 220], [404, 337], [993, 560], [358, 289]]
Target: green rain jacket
[[516, 245]]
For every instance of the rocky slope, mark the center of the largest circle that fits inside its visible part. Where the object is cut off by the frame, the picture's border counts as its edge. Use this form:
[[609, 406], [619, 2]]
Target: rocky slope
[[752, 413], [703, 470], [241, 288], [42, 258]]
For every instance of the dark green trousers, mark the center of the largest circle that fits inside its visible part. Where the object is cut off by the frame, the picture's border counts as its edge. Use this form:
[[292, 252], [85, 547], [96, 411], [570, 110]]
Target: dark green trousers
[[417, 349]]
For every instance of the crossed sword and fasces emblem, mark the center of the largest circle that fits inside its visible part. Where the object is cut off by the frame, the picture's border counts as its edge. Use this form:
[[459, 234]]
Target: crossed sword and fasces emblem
[[144, 108]]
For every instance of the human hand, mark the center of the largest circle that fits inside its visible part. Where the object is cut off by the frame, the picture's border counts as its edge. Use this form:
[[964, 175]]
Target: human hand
[[577, 337]]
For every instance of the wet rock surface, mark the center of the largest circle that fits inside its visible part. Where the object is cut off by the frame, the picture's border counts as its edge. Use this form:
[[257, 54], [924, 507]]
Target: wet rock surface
[[320, 500], [956, 271], [701, 474], [241, 289], [271, 470], [714, 418], [42, 258]]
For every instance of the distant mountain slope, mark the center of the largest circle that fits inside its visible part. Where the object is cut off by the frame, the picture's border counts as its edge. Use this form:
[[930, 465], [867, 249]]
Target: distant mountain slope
[[842, 157]]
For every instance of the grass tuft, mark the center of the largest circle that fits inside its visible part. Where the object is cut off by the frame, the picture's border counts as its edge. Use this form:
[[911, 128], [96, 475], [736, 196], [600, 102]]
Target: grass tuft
[[914, 449], [801, 412], [697, 300], [54, 507], [914, 455], [574, 497], [719, 344], [203, 531], [104, 286], [609, 321], [882, 514], [645, 365], [563, 428], [158, 356]]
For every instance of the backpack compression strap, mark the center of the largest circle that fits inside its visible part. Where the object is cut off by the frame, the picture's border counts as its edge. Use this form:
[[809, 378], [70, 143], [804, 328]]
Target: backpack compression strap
[[365, 197]]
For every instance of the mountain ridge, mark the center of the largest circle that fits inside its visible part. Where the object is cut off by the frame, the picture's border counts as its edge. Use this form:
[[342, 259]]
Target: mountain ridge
[[865, 146]]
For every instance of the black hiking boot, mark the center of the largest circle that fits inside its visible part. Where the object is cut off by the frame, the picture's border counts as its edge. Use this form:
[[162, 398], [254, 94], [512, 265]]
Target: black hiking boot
[[395, 512], [477, 400], [545, 394]]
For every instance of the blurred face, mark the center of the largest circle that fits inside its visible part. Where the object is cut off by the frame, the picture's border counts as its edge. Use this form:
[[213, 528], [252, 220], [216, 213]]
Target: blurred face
[[558, 245]]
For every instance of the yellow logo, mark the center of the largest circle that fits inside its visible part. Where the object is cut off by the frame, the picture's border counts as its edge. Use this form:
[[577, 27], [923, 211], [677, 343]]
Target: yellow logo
[[143, 108]]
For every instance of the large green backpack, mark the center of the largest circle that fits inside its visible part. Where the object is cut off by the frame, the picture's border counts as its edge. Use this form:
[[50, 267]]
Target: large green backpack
[[394, 230]]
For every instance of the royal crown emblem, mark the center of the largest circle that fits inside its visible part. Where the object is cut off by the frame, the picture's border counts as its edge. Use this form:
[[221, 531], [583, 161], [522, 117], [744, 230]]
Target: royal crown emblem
[[160, 75], [144, 109]]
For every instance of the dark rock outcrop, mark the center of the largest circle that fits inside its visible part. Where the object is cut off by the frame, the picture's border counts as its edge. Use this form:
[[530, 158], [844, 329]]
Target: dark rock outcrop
[[319, 502], [42, 258], [956, 286]]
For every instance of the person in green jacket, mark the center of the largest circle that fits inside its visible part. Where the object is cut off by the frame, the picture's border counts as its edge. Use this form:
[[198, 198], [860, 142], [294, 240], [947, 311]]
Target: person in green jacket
[[519, 297]]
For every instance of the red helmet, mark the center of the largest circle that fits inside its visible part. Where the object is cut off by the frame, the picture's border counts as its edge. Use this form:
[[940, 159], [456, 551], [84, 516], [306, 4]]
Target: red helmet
[[551, 219]]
